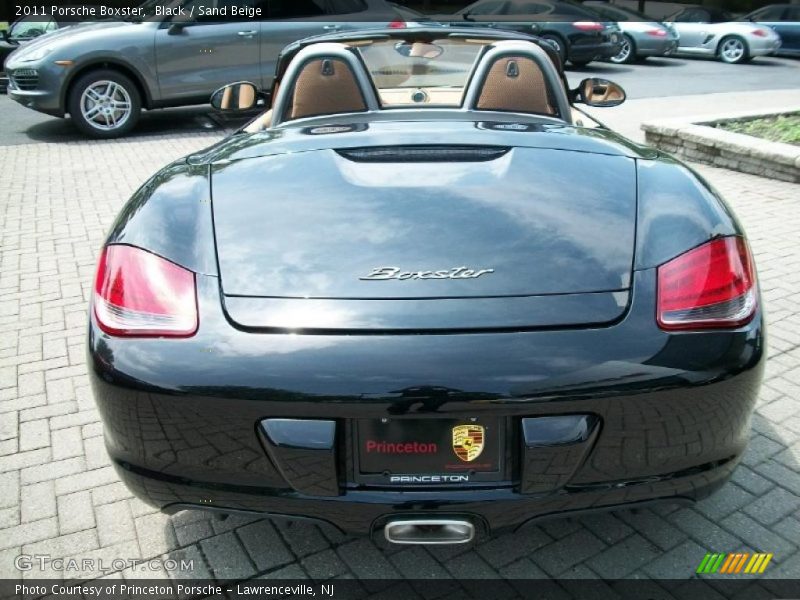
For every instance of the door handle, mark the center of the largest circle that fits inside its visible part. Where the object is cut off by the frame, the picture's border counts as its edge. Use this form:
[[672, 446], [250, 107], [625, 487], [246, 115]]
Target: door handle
[[332, 27], [248, 33]]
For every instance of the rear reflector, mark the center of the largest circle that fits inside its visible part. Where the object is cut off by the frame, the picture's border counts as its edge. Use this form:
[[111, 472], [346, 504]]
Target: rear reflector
[[139, 294], [588, 25], [759, 33], [397, 24], [711, 286], [657, 32]]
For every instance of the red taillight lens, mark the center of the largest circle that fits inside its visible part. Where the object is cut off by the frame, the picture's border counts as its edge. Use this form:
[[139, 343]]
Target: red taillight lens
[[397, 24], [588, 26], [759, 33], [657, 32], [713, 285], [138, 294]]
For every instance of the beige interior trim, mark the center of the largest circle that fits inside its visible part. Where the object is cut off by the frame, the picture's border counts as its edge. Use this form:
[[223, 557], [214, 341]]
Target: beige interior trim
[[326, 86]]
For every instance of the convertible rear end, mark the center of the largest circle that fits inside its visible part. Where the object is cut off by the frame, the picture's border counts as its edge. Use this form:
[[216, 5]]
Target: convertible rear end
[[428, 340]]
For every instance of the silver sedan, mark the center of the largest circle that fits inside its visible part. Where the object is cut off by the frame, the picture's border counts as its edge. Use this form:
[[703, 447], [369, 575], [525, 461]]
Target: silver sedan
[[642, 37], [712, 32]]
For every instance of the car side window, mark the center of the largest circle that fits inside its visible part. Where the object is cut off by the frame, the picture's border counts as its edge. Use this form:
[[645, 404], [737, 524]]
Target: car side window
[[693, 15], [488, 8], [611, 14], [792, 14], [529, 8], [296, 9], [770, 13], [720, 16]]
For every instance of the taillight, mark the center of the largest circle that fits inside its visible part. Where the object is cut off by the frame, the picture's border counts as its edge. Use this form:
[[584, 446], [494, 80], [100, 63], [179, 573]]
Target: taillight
[[138, 294], [657, 32], [397, 24], [713, 285], [588, 25], [759, 33]]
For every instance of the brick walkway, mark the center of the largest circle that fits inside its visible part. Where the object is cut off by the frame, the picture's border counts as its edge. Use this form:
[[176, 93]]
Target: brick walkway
[[60, 496]]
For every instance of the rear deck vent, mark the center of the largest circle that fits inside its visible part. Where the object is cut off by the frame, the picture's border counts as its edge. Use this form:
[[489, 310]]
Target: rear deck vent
[[424, 153]]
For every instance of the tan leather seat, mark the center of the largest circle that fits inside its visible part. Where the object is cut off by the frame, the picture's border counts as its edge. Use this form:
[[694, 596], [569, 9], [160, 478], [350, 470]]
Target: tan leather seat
[[326, 86], [247, 96], [515, 84]]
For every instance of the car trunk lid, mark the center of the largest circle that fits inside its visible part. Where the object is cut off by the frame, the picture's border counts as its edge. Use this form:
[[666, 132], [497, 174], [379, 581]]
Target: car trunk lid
[[410, 238]]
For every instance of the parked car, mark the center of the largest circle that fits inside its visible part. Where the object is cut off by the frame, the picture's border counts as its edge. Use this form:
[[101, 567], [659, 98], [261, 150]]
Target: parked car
[[103, 74], [424, 303], [23, 31], [575, 32], [708, 31], [641, 36], [785, 20]]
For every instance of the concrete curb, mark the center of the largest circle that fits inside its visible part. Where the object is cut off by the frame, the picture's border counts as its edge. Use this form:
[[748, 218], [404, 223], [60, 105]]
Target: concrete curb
[[696, 139]]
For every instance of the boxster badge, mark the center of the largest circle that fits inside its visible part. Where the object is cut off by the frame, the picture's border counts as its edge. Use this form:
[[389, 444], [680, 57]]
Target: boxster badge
[[468, 441]]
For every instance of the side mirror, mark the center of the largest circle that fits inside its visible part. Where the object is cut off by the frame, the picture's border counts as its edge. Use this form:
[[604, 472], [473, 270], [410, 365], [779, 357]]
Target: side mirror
[[4, 35], [599, 93], [175, 29], [235, 97]]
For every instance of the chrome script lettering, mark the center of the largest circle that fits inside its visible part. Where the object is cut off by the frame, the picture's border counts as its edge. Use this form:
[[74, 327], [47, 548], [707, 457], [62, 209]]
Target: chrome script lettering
[[387, 273]]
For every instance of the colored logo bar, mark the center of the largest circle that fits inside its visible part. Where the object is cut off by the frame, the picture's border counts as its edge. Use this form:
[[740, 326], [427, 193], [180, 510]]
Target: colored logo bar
[[734, 563]]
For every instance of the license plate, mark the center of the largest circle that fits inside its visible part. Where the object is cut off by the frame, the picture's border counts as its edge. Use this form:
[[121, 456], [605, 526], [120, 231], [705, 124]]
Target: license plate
[[395, 447]]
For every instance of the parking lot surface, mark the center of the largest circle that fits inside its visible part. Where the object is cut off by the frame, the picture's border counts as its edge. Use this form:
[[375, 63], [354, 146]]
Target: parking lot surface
[[60, 496]]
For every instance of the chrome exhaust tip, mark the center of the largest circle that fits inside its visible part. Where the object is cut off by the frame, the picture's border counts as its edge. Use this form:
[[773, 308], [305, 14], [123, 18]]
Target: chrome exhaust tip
[[429, 531]]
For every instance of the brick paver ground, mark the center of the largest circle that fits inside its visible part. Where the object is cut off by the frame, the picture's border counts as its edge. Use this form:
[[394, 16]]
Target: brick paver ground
[[61, 497]]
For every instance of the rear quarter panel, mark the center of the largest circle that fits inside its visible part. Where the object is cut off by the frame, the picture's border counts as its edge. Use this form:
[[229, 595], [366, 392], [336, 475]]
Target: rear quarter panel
[[677, 211]]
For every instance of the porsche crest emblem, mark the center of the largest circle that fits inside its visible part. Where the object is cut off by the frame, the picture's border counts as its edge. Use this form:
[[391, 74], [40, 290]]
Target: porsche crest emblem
[[468, 441]]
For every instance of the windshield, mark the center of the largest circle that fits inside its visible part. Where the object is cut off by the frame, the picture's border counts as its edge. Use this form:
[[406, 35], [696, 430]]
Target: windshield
[[411, 73], [31, 26]]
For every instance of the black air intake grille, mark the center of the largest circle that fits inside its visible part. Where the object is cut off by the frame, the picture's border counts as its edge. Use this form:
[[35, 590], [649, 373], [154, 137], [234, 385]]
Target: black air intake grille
[[25, 79], [424, 153]]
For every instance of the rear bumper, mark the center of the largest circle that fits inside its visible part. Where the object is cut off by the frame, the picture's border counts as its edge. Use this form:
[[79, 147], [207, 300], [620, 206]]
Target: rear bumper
[[765, 47], [649, 46], [181, 416], [585, 51], [366, 512]]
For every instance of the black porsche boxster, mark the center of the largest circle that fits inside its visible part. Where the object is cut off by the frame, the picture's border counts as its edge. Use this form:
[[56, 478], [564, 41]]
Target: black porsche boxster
[[424, 295]]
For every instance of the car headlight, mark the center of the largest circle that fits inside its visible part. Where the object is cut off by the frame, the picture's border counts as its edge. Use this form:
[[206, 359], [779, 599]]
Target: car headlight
[[33, 54]]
